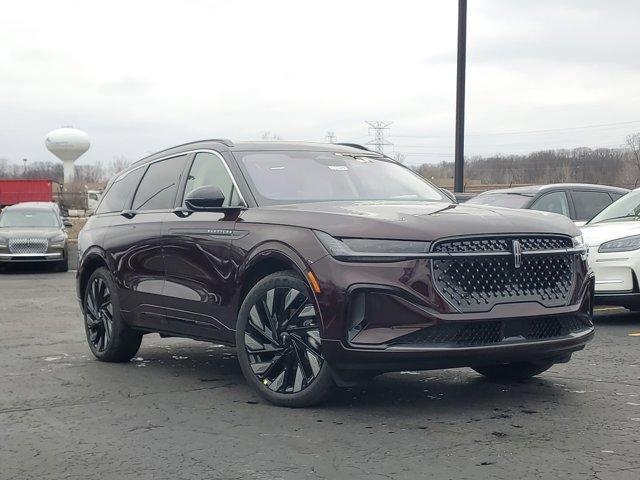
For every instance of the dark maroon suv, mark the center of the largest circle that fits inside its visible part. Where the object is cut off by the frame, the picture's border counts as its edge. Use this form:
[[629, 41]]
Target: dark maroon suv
[[325, 265]]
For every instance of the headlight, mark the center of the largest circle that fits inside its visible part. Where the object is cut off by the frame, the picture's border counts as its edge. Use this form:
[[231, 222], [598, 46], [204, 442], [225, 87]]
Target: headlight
[[3, 242], [578, 241], [371, 250], [58, 240], [625, 244]]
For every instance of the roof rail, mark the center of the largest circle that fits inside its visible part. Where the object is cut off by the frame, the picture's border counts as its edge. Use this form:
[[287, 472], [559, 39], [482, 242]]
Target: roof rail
[[224, 141], [354, 145]]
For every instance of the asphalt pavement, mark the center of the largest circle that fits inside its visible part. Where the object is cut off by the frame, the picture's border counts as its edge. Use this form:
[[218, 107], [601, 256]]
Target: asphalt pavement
[[181, 410]]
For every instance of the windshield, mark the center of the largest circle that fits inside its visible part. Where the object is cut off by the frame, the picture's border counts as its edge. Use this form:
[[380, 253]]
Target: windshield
[[293, 177], [29, 218], [626, 208], [508, 200]]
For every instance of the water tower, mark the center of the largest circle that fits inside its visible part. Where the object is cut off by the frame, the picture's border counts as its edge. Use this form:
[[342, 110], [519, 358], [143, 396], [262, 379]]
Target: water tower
[[68, 144]]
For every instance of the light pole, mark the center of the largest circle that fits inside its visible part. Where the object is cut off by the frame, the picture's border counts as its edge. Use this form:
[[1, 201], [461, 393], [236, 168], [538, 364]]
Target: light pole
[[458, 180], [24, 162]]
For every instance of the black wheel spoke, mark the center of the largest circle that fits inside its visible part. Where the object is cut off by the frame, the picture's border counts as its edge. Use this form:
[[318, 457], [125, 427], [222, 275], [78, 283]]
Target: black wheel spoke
[[99, 314], [282, 340]]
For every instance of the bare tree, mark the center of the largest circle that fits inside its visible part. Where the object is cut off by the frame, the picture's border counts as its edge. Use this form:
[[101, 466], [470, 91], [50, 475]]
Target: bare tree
[[90, 173], [117, 164], [399, 157], [267, 135], [633, 144]]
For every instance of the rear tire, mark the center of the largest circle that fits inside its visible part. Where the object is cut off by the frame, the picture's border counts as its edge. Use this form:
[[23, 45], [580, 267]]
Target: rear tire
[[278, 343], [109, 338], [514, 371]]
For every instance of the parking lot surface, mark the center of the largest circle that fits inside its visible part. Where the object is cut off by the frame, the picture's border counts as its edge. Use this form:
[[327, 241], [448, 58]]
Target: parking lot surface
[[182, 410]]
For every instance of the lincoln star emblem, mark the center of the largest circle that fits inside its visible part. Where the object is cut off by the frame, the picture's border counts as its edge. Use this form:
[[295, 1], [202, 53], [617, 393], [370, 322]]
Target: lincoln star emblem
[[517, 254]]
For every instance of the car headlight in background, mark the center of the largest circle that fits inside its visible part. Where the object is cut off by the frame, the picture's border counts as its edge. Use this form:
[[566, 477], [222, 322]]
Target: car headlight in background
[[58, 241], [3, 242], [372, 250], [626, 244]]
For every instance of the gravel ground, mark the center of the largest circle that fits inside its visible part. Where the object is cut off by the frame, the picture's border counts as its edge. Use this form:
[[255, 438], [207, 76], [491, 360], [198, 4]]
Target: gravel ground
[[181, 410]]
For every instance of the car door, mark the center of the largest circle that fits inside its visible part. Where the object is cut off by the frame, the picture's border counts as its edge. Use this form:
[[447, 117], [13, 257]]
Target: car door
[[135, 241], [588, 203], [199, 279], [554, 202]]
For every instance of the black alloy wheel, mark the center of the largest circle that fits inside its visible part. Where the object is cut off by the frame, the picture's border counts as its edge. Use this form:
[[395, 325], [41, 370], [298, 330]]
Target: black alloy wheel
[[109, 338], [279, 345], [99, 314]]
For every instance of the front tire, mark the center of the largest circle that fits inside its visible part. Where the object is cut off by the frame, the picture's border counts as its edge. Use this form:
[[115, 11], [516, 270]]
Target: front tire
[[109, 338], [513, 371], [278, 342], [63, 265]]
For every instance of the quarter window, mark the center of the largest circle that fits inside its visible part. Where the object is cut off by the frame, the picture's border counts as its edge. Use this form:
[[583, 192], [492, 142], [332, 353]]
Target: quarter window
[[209, 169], [157, 190], [555, 202], [115, 199]]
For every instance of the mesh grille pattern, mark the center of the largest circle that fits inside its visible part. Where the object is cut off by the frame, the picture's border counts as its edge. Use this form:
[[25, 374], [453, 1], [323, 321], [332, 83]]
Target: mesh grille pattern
[[478, 283], [501, 244], [481, 333], [28, 245]]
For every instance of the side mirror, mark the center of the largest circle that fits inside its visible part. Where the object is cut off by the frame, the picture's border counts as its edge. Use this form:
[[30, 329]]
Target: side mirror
[[67, 223], [208, 198]]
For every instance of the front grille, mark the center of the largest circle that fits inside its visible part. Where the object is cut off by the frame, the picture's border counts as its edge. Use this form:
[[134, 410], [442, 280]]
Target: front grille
[[489, 274], [484, 333], [501, 244], [28, 245]]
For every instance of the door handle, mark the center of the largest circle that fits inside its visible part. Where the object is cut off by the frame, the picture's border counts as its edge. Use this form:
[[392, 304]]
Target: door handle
[[128, 213], [182, 212]]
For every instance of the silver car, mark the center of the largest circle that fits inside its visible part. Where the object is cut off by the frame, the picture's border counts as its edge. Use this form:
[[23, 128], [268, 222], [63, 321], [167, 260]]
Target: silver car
[[33, 232]]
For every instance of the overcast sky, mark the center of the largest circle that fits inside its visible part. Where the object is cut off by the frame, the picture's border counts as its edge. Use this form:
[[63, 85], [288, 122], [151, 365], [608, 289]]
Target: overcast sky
[[139, 76]]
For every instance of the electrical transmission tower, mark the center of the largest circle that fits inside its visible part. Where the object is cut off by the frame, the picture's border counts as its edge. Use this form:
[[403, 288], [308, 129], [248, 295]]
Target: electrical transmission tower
[[378, 128], [331, 137]]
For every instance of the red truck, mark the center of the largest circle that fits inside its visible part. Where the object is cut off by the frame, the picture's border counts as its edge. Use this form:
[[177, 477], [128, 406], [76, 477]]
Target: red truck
[[14, 191]]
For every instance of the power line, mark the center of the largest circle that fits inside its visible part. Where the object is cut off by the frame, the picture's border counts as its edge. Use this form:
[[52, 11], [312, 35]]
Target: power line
[[378, 128], [523, 132]]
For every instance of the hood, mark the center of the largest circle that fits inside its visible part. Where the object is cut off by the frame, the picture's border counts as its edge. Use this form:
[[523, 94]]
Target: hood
[[41, 232], [410, 220], [599, 233]]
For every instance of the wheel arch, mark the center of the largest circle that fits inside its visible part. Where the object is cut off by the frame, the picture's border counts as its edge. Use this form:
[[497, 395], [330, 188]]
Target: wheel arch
[[268, 258], [93, 259]]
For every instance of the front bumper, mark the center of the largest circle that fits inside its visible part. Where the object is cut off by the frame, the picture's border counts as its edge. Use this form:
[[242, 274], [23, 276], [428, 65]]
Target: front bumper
[[390, 329], [31, 257], [616, 277]]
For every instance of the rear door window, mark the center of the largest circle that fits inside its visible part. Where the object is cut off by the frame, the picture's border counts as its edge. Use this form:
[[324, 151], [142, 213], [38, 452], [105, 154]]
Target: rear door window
[[554, 202], [588, 204], [157, 190], [115, 200]]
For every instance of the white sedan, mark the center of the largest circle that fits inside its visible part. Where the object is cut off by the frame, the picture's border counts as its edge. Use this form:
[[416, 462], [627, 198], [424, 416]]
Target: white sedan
[[613, 239]]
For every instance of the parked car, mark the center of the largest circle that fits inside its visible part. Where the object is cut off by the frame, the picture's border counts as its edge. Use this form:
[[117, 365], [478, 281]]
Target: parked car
[[33, 232], [613, 239], [321, 274], [578, 201]]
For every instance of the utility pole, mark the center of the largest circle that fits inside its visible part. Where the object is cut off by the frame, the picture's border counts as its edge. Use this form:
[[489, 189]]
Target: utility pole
[[458, 181], [378, 128], [331, 137]]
